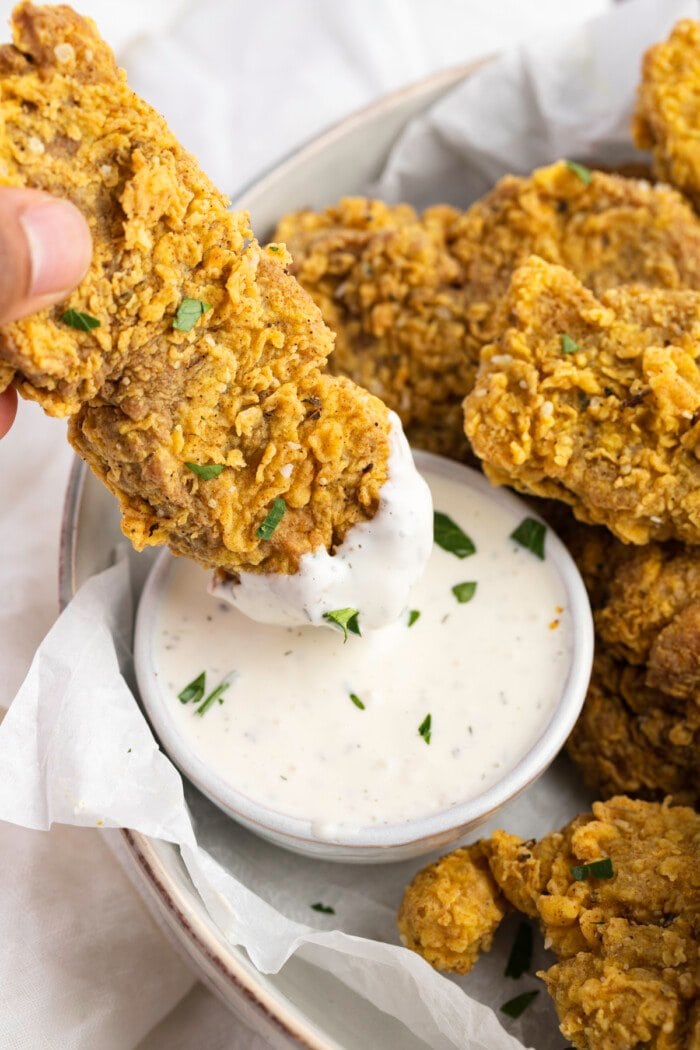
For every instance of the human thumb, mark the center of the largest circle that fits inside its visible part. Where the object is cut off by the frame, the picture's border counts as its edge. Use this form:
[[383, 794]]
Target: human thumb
[[45, 249]]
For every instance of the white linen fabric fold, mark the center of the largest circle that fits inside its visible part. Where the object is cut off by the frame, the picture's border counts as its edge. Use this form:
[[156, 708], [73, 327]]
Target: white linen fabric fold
[[241, 83]]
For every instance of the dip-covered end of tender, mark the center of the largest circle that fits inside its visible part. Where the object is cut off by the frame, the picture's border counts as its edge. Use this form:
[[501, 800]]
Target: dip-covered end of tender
[[367, 580]]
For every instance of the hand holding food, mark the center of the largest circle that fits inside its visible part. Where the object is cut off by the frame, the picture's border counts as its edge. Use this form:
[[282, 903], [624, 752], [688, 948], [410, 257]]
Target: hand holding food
[[189, 361], [45, 249]]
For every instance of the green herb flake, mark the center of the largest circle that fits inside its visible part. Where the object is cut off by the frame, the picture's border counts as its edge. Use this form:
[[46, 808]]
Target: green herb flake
[[188, 313], [215, 694], [516, 1007], [194, 691], [273, 247], [323, 908], [345, 619], [77, 319], [568, 345], [583, 173], [597, 869], [464, 592], [448, 535], [205, 471], [356, 701], [425, 728], [520, 958], [413, 615], [272, 519], [530, 533]]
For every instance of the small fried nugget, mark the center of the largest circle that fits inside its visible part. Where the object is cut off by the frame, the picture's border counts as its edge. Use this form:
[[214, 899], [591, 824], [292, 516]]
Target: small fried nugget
[[413, 298], [595, 402], [451, 910], [627, 975], [626, 936], [667, 117], [206, 352]]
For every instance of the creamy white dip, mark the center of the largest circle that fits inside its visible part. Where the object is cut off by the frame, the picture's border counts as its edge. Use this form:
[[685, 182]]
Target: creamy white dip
[[287, 732], [374, 569]]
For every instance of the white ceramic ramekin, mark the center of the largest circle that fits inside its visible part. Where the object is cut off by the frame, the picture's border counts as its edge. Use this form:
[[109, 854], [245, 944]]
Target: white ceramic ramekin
[[409, 838]]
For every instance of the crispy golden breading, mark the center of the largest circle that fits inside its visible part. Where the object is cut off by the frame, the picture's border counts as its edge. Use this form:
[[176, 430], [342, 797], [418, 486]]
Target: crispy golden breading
[[451, 910], [243, 388], [651, 607], [608, 419], [668, 108], [388, 286], [414, 298], [627, 946], [634, 738], [639, 730]]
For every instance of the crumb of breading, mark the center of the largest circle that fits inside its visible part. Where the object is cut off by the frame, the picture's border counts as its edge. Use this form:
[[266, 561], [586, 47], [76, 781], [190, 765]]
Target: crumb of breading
[[242, 389], [451, 910], [608, 421]]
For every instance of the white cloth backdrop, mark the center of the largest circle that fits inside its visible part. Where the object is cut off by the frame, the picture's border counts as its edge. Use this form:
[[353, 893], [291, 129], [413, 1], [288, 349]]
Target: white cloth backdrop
[[242, 82]]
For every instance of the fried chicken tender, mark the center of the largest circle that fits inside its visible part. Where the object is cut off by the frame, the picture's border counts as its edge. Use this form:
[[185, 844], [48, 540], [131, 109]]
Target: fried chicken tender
[[635, 738], [242, 389], [413, 299], [451, 910], [626, 976], [639, 730], [595, 402], [667, 117], [627, 946]]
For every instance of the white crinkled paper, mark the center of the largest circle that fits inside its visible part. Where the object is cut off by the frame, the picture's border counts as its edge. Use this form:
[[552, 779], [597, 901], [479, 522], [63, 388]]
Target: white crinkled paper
[[75, 748]]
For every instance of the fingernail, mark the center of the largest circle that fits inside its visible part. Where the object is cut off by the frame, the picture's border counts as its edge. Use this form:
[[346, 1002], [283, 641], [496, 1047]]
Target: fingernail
[[59, 246]]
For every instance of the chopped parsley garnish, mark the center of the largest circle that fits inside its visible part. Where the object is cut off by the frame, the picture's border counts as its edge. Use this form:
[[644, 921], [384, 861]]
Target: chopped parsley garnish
[[464, 592], [425, 728], [194, 690], [583, 173], [272, 519], [188, 313], [597, 869], [273, 247], [206, 471], [413, 615], [214, 695], [323, 908], [356, 701], [448, 535], [515, 1007], [345, 619], [77, 319], [568, 345], [530, 533], [520, 958]]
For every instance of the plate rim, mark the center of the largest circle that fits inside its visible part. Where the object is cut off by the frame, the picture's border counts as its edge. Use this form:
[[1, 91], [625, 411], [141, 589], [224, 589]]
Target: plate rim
[[198, 942]]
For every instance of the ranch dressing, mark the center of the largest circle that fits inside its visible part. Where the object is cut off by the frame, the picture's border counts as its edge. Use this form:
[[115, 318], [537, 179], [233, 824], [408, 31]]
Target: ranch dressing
[[337, 732], [374, 569]]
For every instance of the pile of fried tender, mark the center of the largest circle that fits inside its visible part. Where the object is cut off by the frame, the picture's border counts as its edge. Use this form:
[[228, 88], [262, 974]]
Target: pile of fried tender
[[551, 332], [626, 944], [188, 359]]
